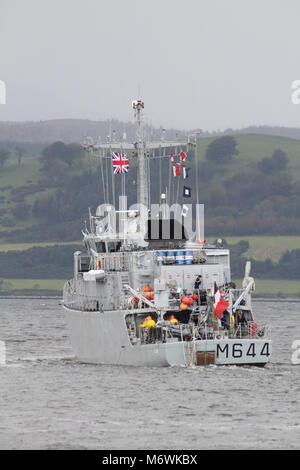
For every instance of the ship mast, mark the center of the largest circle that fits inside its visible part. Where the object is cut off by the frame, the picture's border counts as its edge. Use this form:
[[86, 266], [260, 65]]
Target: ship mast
[[142, 167]]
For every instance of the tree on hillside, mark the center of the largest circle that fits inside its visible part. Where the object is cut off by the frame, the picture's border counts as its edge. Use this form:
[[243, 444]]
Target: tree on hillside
[[57, 172], [51, 154], [20, 152], [277, 162], [73, 153], [222, 150], [280, 159], [4, 154], [266, 165], [67, 154]]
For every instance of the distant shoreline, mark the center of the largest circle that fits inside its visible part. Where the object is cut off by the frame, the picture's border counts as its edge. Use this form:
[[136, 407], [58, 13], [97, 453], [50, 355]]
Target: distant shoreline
[[31, 297]]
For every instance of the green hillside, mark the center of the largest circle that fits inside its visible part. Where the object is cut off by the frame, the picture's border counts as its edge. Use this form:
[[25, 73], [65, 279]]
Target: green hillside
[[36, 287], [26, 183], [266, 247], [275, 288], [253, 148], [26, 246], [55, 205]]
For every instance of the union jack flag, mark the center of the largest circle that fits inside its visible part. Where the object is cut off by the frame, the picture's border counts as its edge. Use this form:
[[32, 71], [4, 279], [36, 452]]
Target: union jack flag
[[120, 163]]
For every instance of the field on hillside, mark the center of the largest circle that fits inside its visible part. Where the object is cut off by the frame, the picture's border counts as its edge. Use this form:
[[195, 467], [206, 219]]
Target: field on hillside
[[275, 288], [253, 148], [27, 246], [36, 284], [14, 176], [31, 287], [263, 247], [19, 175]]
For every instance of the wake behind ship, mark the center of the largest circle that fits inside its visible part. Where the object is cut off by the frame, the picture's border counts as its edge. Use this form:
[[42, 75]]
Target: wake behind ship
[[148, 291]]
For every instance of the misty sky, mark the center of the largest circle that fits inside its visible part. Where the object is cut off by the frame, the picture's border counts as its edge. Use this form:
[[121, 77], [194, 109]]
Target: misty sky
[[198, 63]]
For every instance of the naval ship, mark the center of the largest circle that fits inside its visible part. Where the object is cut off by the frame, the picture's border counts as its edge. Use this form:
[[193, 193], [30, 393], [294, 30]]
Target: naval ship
[[149, 291]]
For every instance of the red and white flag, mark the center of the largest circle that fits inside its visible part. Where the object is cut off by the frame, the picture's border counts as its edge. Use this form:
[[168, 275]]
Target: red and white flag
[[221, 307], [178, 165], [220, 304], [176, 170], [217, 295], [171, 156], [182, 156]]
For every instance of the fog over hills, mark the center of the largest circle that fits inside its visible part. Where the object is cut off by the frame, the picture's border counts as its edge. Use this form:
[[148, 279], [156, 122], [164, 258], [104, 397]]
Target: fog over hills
[[73, 130]]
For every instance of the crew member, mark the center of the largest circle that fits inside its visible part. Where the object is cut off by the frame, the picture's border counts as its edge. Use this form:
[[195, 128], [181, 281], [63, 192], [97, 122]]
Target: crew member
[[150, 332], [225, 320], [198, 282], [148, 323], [240, 319]]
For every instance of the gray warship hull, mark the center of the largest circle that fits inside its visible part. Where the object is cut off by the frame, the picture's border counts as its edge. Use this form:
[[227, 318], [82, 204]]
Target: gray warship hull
[[102, 338]]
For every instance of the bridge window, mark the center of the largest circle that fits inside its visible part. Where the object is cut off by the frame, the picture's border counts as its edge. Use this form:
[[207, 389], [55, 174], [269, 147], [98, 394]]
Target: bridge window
[[100, 247], [113, 247]]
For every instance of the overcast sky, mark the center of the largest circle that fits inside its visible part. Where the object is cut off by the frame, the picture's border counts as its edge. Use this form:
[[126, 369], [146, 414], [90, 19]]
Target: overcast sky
[[197, 63]]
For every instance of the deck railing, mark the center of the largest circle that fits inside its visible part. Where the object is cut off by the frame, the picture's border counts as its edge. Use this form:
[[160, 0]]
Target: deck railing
[[76, 301], [166, 333]]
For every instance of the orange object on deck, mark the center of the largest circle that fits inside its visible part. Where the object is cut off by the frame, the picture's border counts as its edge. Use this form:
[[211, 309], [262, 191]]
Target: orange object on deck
[[187, 300], [147, 288], [149, 295]]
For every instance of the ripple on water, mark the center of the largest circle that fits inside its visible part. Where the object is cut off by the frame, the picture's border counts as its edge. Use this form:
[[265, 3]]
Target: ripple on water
[[49, 400]]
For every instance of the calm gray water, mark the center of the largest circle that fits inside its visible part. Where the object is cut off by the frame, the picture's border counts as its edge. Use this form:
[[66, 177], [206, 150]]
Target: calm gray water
[[49, 401]]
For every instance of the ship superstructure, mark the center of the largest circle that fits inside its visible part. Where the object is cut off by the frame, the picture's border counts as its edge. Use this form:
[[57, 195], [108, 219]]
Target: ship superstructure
[[147, 290]]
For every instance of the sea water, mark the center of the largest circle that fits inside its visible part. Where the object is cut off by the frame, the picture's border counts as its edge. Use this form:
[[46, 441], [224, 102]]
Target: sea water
[[48, 400]]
